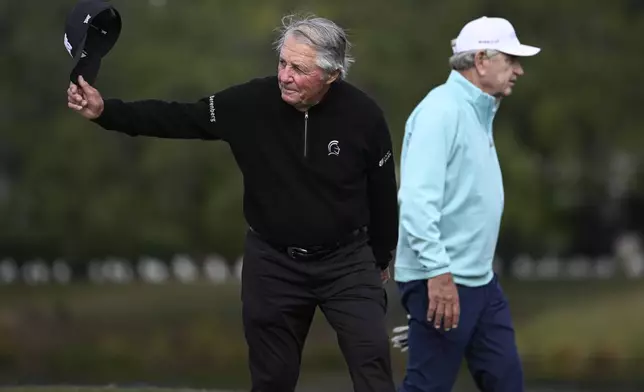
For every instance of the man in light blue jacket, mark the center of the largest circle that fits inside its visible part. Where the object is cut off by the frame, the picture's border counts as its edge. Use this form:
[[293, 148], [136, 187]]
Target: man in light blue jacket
[[451, 203]]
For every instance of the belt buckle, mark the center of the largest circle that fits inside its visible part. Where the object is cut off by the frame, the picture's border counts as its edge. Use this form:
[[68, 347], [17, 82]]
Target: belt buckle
[[294, 252]]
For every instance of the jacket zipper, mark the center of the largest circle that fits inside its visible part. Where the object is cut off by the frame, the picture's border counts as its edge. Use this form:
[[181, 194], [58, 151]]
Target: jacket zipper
[[306, 132]]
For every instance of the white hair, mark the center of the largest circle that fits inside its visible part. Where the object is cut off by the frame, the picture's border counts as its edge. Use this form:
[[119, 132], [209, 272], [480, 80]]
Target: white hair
[[465, 60], [328, 39]]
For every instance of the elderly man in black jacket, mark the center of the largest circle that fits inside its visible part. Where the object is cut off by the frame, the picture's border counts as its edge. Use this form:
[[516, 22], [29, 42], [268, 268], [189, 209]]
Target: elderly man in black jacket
[[319, 197]]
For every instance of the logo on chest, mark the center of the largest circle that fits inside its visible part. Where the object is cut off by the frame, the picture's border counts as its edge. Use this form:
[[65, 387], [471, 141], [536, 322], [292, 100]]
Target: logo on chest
[[334, 147]]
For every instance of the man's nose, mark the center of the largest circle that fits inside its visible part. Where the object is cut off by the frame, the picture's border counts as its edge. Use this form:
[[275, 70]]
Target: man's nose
[[518, 69], [284, 75]]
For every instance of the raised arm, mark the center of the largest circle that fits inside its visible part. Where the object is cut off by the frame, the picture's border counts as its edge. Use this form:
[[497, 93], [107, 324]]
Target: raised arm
[[157, 118]]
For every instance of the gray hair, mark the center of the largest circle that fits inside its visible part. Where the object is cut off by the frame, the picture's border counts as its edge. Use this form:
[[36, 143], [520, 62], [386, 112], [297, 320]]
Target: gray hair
[[328, 39], [465, 60]]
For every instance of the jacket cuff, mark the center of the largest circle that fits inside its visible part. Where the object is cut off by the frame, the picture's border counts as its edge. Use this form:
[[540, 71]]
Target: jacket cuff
[[383, 257]]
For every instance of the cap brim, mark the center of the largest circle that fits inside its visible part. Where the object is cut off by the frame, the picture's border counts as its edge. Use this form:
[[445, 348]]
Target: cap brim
[[521, 50], [88, 68]]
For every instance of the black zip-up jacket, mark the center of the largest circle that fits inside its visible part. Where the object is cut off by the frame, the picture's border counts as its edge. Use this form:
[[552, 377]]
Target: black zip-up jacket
[[310, 178]]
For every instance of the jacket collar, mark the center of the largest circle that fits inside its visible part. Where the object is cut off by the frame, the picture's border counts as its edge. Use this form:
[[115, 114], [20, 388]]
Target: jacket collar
[[484, 104]]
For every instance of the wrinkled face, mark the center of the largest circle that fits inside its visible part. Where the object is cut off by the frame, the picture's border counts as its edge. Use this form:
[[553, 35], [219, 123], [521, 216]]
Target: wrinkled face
[[498, 73], [302, 82]]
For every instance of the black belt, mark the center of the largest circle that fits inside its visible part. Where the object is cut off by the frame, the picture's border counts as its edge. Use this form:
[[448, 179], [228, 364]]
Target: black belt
[[315, 251]]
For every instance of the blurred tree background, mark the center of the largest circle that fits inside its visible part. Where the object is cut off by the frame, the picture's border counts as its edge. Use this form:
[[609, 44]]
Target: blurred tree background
[[569, 138]]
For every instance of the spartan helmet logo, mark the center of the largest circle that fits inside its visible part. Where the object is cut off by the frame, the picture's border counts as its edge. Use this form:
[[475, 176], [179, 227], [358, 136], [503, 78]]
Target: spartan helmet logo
[[334, 147]]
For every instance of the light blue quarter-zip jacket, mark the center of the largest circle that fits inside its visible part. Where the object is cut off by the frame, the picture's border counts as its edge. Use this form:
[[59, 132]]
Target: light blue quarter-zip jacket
[[451, 190]]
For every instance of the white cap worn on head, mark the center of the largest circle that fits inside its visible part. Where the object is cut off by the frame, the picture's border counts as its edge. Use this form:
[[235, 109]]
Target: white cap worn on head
[[491, 33]]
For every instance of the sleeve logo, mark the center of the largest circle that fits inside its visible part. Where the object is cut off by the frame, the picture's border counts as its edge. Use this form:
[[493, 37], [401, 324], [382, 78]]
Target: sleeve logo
[[385, 158], [211, 107]]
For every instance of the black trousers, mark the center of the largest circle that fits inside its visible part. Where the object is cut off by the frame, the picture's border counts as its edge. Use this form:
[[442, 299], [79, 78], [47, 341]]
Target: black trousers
[[280, 296]]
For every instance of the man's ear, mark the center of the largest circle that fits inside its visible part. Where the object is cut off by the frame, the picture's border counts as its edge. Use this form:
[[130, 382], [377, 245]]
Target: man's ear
[[479, 57], [332, 77]]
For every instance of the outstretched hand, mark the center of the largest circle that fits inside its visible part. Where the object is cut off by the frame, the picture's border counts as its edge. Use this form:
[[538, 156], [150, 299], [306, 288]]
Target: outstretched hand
[[85, 99]]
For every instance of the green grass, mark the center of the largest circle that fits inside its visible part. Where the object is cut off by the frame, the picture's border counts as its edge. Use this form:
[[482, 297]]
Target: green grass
[[87, 334], [612, 320]]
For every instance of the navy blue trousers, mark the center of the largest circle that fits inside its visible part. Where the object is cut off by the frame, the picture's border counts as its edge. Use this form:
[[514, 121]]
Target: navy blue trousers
[[484, 338]]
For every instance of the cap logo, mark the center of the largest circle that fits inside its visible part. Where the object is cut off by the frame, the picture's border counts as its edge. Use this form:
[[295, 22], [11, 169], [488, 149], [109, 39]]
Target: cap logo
[[68, 46], [87, 18]]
